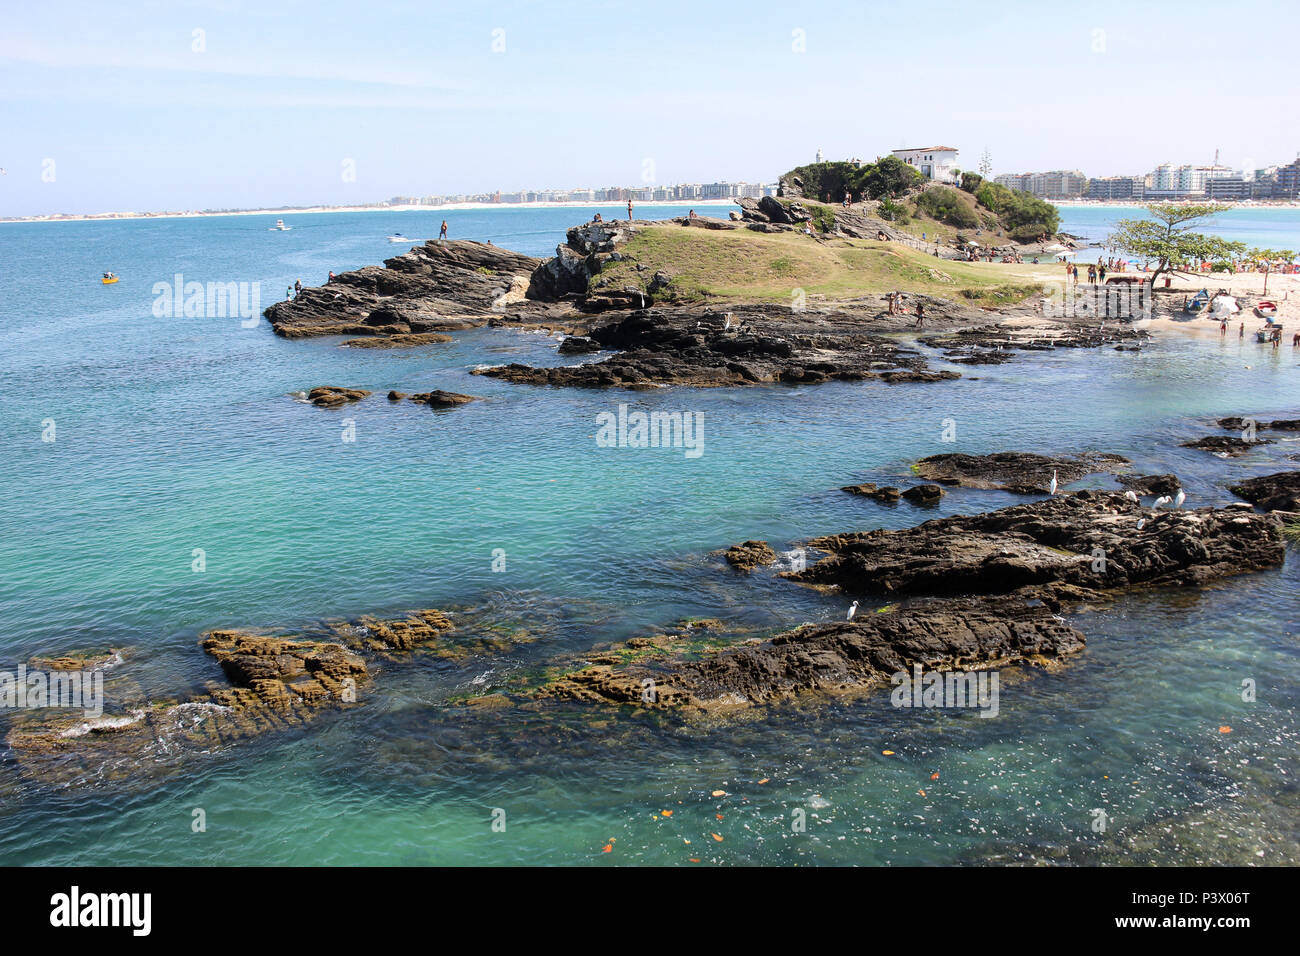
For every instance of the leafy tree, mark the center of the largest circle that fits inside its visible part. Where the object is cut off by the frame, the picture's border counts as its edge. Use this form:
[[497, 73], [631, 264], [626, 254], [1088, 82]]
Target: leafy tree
[[1018, 210], [1168, 237], [891, 177], [1266, 258], [946, 205], [971, 181]]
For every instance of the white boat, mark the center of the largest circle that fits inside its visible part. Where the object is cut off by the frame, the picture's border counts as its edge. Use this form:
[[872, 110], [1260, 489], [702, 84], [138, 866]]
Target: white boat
[[279, 226], [398, 237]]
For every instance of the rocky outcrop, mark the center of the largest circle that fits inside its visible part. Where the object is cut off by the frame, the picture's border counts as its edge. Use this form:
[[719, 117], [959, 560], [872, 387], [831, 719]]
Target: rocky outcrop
[[437, 287], [1016, 471], [927, 494], [835, 658], [1278, 492], [272, 682], [1088, 539], [1148, 485], [333, 396], [749, 345], [888, 494], [1238, 424], [440, 399], [749, 555]]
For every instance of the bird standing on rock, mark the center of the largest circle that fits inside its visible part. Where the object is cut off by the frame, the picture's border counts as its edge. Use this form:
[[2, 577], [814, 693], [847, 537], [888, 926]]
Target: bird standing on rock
[[853, 609], [1130, 496], [1051, 488], [1161, 501], [1179, 498]]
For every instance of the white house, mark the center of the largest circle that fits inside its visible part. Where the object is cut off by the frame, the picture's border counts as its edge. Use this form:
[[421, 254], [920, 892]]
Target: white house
[[938, 163]]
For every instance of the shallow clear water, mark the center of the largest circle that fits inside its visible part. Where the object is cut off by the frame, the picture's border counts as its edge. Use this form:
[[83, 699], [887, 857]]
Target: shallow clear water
[[177, 434]]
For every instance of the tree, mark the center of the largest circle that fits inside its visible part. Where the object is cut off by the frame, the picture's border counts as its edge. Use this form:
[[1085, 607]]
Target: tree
[[1266, 258], [891, 177], [1168, 237]]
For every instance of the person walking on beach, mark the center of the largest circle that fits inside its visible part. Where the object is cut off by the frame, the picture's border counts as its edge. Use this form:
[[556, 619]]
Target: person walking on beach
[[1295, 340], [442, 233], [1241, 332], [1092, 275], [1101, 274], [1223, 326], [920, 314]]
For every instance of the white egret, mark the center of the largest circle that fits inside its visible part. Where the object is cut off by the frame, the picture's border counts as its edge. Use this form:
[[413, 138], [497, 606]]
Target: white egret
[[1051, 488], [1130, 496], [1161, 501], [853, 609], [1180, 498]]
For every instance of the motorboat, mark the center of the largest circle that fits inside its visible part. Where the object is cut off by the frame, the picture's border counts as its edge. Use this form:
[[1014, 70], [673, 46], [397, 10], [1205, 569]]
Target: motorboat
[[280, 226], [1266, 309], [398, 237], [108, 278]]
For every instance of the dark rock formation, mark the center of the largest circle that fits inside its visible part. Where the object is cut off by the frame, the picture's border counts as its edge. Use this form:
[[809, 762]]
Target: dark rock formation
[[578, 345], [1278, 492], [439, 286], [1016, 471], [995, 344], [753, 344], [927, 494], [332, 396], [1088, 539], [1237, 424], [749, 555], [440, 399], [1147, 485], [888, 494], [835, 658]]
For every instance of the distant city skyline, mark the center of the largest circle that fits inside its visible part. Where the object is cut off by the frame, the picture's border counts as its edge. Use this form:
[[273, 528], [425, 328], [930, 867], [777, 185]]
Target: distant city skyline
[[232, 104]]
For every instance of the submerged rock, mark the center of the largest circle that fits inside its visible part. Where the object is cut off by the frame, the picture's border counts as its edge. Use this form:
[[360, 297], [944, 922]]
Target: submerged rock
[[401, 341], [888, 494], [1226, 445], [1151, 484], [927, 494]]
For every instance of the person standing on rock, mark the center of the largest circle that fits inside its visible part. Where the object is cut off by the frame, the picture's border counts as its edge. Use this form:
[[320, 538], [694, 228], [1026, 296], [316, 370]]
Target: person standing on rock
[[629, 210], [297, 286], [442, 233], [920, 313]]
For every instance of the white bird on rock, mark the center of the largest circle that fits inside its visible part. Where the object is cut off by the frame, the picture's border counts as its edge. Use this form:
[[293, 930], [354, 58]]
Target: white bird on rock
[[1161, 501], [1130, 496], [1180, 498], [1051, 488], [853, 609]]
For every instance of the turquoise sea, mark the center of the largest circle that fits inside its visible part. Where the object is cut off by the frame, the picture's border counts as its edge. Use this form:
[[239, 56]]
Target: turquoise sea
[[176, 434]]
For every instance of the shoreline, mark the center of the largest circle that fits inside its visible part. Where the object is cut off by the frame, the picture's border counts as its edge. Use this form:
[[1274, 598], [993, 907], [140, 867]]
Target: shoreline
[[313, 210]]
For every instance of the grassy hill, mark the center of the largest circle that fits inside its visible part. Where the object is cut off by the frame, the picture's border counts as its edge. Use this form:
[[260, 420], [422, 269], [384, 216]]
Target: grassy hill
[[707, 265]]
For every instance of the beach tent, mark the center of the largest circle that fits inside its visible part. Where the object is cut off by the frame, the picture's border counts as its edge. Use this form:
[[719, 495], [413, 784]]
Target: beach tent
[[1054, 247]]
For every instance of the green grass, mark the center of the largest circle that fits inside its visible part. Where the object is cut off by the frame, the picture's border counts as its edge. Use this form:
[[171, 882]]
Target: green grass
[[744, 266]]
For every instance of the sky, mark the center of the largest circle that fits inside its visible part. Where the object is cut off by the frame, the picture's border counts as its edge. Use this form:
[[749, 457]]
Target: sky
[[150, 106]]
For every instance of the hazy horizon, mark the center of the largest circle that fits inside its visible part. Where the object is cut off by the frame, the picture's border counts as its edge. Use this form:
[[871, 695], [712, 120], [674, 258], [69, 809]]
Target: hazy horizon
[[153, 106]]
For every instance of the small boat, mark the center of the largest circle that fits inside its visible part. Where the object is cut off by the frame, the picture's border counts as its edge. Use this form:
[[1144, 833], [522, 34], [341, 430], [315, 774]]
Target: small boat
[[398, 237], [279, 226], [1266, 309], [108, 278], [1198, 303]]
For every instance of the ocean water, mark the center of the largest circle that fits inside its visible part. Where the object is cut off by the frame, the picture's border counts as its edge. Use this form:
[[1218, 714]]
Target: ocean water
[[176, 434], [1270, 227]]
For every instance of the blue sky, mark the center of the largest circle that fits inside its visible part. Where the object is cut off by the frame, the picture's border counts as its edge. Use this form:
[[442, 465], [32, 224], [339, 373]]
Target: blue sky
[[281, 94]]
